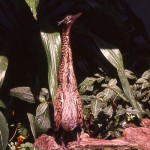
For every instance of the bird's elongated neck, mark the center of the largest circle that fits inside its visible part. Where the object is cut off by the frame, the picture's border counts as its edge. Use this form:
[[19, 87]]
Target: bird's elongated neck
[[66, 71], [66, 49], [66, 31]]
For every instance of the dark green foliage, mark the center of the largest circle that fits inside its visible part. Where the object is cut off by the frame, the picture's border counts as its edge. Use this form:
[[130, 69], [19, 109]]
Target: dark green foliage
[[110, 108], [40, 122], [105, 48], [142, 91]]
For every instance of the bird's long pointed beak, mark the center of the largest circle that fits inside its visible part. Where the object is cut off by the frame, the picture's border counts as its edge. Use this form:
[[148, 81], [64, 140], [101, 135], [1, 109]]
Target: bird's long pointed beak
[[77, 15]]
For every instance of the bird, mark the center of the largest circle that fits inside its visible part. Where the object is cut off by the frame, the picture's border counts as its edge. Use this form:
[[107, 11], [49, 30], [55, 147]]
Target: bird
[[67, 102]]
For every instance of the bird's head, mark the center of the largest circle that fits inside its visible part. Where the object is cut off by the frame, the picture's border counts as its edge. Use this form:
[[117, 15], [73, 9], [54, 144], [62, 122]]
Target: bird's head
[[69, 20]]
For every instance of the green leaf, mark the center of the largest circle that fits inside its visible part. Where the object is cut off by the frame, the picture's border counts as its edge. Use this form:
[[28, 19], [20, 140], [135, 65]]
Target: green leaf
[[128, 93], [44, 95], [113, 87], [112, 82], [41, 108], [3, 68], [23, 93], [108, 111], [12, 146], [42, 118], [119, 92], [109, 94], [145, 85], [112, 90], [96, 107], [120, 110], [97, 75], [4, 132], [141, 81], [86, 98], [87, 84], [146, 75], [32, 124], [130, 75], [144, 82], [33, 4], [27, 145], [132, 111], [2, 105], [113, 56], [52, 44]]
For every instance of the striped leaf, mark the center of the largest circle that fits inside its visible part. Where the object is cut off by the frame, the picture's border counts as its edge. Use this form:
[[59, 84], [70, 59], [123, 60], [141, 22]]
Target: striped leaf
[[52, 43], [3, 68], [4, 132], [33, 4]]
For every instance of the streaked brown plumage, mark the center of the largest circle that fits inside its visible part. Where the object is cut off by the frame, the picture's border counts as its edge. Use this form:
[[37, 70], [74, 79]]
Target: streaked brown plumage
[[67, 102]]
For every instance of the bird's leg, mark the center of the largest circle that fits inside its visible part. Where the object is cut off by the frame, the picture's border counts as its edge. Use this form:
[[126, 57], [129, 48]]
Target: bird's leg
[[62, 140], [79, 132], [78, 138]]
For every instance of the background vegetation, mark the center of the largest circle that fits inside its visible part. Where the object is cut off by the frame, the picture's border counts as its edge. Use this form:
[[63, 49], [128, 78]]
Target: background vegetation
[[110, 47]]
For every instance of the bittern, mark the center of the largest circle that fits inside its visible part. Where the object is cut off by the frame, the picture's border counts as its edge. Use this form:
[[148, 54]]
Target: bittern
[[67, 102]]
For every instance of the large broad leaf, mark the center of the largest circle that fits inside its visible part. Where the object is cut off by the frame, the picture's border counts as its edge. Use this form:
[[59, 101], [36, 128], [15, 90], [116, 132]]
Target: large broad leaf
[[87, 85], [97, 104], [3, 68], [23, 93], [95, 107], [146, 75], [109, 94], [41, 108], [4, 132], [33, 4], [108, 111], [130, 75], [111, 86], [42, 118], [52, 43], [2, 105], [32, 124]]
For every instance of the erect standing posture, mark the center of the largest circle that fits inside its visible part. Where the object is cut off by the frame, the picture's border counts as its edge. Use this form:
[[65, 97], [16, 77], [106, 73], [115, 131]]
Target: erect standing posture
[[67, 102]]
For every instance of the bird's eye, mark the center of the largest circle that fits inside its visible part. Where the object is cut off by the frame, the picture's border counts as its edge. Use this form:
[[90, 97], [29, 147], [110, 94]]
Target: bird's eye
[[69, 17]]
